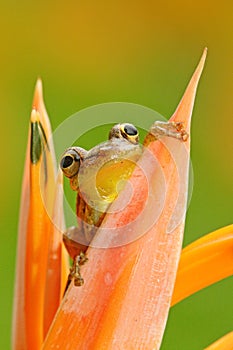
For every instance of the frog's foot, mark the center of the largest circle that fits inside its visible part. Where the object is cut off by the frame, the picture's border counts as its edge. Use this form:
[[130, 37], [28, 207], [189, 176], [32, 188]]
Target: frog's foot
[[171, 129], [75, 273]]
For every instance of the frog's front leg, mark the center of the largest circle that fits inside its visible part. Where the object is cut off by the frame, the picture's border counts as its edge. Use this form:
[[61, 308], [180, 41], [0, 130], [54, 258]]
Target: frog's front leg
[[71, 238], [171, 129]]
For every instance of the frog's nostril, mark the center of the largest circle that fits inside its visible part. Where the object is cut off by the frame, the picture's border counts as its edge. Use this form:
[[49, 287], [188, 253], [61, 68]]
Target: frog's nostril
[[66, 162]]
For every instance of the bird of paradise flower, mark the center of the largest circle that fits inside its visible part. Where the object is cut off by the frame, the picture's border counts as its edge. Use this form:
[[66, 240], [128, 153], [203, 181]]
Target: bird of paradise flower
[[125, 312]]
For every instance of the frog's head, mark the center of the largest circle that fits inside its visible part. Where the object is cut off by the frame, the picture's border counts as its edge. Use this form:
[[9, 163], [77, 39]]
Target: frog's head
[[101, 161]]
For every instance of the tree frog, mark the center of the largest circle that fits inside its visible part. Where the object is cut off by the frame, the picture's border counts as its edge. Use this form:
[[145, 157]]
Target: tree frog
[[95, 175]]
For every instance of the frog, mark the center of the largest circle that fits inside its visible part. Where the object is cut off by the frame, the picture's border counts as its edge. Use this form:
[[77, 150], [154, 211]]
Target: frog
[[95, 175]]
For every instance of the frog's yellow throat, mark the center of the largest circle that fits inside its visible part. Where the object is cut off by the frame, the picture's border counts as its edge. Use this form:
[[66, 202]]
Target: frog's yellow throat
[[111, 178]]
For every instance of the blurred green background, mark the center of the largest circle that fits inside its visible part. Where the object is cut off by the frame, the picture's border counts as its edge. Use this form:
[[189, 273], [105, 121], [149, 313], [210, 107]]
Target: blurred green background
[[141, 52]]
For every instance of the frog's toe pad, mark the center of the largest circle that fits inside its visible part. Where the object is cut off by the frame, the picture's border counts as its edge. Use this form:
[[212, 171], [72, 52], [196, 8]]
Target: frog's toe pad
[[78, 281]]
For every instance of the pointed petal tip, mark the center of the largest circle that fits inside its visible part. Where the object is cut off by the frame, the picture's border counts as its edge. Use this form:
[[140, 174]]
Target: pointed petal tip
[[203, 57], [38, 94], [198, 71], [183, 112], [39, 85]]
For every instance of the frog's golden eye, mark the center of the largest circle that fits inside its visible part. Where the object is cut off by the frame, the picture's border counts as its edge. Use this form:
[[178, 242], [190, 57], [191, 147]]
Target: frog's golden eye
[[129, 132], [70, 163]]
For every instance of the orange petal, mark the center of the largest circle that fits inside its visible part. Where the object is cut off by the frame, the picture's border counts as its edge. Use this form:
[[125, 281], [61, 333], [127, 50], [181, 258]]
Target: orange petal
[[55, 205], [57, 262], [126, 297], [35, 227], [204, 262], [19, 318], [224, 343]]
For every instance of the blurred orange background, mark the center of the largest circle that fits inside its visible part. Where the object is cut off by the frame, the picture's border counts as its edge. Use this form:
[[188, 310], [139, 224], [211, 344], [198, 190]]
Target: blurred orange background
[[131, 51]]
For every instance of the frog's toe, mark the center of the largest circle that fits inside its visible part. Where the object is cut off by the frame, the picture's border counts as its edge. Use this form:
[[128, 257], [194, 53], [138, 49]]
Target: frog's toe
[[171, 129], [78, 281]]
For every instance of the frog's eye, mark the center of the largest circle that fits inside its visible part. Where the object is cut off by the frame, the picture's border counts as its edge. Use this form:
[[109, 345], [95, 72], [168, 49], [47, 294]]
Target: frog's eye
[[70, 163], [129, 132], [130, 129]]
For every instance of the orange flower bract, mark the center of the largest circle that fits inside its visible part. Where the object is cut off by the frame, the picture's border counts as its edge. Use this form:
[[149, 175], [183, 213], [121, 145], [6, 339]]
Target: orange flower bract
[[128, 288]]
